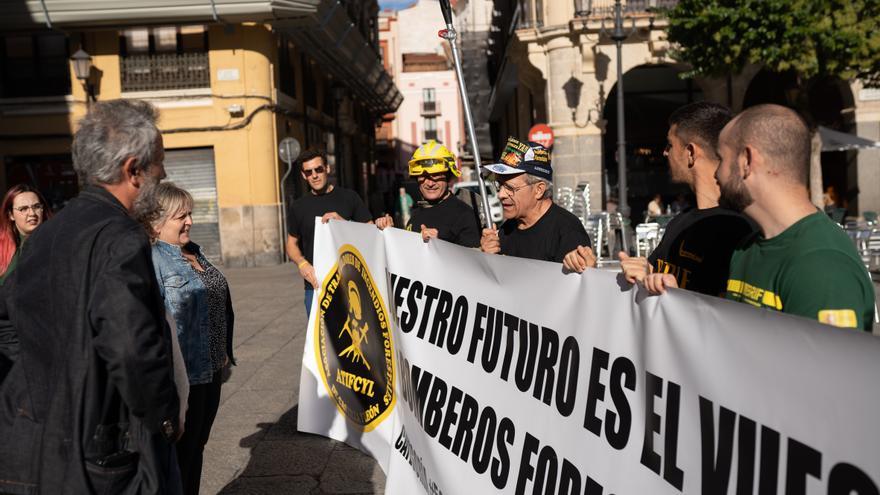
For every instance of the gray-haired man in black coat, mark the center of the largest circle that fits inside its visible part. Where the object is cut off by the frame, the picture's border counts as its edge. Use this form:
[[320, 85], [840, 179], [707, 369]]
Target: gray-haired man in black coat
[[90, 404]]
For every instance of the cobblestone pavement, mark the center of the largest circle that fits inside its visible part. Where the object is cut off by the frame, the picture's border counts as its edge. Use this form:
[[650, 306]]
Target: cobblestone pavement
[[254, 446]]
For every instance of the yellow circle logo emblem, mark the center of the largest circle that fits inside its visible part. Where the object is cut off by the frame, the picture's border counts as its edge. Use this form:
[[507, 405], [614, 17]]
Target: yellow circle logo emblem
[[353, 342]]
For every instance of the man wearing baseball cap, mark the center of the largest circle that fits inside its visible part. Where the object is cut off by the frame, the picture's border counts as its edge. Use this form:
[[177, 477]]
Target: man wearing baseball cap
[[535, 227]]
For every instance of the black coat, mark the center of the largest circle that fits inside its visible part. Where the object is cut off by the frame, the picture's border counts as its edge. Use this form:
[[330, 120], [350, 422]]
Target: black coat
[[93, 380]]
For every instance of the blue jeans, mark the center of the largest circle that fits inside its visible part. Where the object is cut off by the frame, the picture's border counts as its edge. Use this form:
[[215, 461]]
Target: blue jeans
[[308, 300]]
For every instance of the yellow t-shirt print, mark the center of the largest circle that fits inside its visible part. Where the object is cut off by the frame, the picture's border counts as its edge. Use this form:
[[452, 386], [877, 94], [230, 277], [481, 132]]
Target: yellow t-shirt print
[[845, 318]]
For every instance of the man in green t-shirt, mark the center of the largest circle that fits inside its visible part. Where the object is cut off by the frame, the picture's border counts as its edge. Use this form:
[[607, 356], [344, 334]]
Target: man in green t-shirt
[[801, 263]]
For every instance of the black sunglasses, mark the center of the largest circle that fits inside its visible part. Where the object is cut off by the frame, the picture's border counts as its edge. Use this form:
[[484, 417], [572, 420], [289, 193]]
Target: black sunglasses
[[318, 170]]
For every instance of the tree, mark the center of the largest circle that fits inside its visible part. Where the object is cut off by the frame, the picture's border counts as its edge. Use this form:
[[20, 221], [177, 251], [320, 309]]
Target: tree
[[815, 39]]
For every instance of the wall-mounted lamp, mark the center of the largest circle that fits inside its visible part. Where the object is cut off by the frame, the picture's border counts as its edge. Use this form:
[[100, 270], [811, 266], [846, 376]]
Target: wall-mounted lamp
[[572, 89], [82, 69]]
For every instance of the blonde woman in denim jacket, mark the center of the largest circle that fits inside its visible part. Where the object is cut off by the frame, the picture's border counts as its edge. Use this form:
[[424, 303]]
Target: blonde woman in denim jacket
[[197, 299]]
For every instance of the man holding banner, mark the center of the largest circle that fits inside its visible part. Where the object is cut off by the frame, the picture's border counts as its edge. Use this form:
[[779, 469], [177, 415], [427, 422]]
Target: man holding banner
[[535, 226], [443, 216], [801, 262], [698, 243], [323, 200]]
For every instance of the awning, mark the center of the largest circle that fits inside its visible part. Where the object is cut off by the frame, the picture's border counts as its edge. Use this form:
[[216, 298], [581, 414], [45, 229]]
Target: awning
[[840, 141], [332, 39], [31, 14]]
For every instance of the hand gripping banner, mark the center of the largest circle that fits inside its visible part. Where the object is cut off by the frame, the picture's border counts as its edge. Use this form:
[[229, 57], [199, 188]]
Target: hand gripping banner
[[465, 373]]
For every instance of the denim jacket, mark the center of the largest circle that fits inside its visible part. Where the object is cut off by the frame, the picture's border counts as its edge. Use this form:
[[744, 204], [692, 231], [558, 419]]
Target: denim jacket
[[186, 299]]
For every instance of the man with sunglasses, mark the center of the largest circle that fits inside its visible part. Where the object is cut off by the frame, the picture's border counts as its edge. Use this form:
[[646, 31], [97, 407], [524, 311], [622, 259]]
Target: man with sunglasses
[[535, 226], [323, 200], [442, 215]]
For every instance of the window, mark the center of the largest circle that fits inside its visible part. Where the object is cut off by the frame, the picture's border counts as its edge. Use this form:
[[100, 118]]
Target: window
[[34, 66], [429, 101], [165, 39], [163, 58], [430, 128], [287, 68], [310, 88], [329, 102]]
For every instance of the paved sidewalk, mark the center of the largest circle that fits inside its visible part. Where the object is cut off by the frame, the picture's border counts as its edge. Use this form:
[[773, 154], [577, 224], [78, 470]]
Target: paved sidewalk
[[254, 446]]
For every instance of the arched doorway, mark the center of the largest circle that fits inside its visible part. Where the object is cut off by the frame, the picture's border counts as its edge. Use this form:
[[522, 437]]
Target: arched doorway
[[828, 102], [651, 94]]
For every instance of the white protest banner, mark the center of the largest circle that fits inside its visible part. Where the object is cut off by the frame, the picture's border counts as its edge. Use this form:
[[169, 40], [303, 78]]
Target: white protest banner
[[512, 377]]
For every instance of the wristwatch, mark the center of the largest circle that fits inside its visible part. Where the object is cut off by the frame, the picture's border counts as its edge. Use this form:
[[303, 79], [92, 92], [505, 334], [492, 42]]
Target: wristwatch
[[168, 429]]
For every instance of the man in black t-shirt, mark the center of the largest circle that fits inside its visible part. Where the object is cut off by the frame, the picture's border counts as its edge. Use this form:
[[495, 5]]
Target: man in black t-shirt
[[323, 200], [535, 227], [698, 244], [442, 215]]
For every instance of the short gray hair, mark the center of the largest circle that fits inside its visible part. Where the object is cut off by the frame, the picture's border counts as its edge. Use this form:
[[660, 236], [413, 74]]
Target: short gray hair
[[109, 134], [548, 186]]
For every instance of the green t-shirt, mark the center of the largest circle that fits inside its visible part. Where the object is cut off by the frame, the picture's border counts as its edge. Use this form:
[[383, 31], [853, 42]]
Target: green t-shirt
[[811, 269]]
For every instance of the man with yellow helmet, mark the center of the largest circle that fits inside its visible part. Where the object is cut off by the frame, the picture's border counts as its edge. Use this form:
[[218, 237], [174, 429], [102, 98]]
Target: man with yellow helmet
[[442, 215]]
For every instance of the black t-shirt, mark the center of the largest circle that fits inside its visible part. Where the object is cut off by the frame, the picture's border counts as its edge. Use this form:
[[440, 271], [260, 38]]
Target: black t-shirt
[[697, 247], [454, 220], [554, 235], [302, 212]]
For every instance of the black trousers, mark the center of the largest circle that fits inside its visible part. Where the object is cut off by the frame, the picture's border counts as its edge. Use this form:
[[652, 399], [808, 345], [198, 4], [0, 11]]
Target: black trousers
[[203, 403]]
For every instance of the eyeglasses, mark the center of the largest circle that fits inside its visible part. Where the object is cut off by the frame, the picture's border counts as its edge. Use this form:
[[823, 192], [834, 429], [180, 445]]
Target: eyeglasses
[[432, 177], [317, 170], [37, 208], [508, 188]]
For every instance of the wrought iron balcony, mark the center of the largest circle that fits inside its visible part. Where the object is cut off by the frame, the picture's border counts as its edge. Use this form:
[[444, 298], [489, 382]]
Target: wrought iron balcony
[[430, 108], [605, 8], [165, 71]]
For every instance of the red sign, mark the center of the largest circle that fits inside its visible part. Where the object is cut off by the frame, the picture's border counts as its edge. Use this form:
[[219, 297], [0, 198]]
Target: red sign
[[541, 134]]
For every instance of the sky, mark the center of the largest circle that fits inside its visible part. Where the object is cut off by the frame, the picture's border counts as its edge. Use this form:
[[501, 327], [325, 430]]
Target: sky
[[394, 4]]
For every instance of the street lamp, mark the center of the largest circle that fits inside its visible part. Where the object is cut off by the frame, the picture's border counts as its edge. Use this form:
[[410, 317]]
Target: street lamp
[[82, 68], [619, 35]]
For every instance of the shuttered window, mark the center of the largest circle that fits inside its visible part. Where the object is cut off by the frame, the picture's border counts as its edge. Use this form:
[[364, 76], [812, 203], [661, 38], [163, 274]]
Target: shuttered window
[[193, 170]]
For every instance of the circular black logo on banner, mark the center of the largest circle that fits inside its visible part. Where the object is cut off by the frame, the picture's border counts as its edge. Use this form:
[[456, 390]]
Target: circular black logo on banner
[[353, 342]]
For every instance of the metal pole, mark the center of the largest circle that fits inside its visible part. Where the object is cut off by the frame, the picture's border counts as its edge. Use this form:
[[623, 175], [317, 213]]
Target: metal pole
[[618, 36], [284, 205], [449, 35]]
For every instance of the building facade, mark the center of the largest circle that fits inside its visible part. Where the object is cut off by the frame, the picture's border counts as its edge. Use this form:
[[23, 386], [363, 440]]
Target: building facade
[[553, 61], [423, 70], [229, 82]]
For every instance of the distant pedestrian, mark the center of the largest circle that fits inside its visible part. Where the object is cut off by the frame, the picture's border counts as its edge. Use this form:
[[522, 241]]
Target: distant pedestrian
[[404, 206], [655, 207], [24, 209], [91, 406], [198, 299], [323, 200]]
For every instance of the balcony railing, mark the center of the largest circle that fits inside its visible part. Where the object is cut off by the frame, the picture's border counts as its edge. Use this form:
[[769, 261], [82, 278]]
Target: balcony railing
[[165, 71], [430, 108], [605, 8]]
